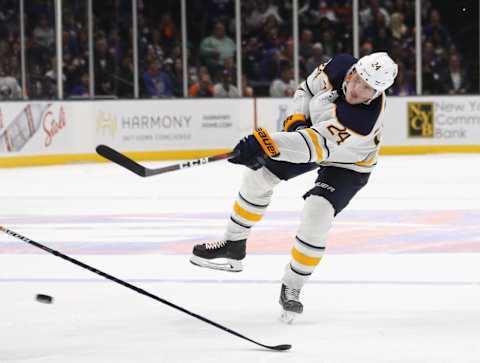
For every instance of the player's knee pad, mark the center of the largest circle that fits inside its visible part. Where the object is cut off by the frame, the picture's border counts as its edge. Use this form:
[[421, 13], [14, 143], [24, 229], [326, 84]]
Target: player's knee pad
[[257, 186], [316, 221]]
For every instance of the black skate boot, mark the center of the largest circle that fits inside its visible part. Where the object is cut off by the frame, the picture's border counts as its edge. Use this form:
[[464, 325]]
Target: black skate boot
[[290, 302], [220, 255]]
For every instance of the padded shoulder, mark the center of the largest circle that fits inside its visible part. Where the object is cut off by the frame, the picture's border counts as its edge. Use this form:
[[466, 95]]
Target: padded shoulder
[[359, 118], [337, 67]]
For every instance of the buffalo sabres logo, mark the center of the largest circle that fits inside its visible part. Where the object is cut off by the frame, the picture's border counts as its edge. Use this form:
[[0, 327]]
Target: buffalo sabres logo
[[376, 66]]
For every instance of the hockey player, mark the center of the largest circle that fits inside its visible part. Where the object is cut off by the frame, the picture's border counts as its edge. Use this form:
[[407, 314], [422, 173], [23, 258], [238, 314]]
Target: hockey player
[[335, 125]]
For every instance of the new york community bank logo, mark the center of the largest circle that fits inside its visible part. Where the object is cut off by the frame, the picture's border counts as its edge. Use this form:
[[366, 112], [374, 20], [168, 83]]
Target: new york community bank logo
[[420, 119], [106, 123]]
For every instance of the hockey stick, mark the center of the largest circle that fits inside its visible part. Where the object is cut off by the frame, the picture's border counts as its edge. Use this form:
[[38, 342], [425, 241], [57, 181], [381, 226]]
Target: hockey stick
[[138, 289], [121, 159]]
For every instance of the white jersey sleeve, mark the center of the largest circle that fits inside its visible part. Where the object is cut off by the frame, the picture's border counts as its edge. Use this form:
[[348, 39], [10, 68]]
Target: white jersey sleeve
[[342, 135], [316, 83]]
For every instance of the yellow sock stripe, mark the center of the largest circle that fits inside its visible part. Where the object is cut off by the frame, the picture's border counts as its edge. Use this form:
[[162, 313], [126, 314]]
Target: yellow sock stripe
[[316, 144], [249, 216], [304, 259]]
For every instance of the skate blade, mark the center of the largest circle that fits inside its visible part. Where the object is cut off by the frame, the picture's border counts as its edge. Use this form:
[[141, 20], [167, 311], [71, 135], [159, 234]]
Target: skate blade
[[229, 265], [288, 317]]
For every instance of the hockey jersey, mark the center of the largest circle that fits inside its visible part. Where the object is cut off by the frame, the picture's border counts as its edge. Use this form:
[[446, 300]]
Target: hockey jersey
[[341, 134]]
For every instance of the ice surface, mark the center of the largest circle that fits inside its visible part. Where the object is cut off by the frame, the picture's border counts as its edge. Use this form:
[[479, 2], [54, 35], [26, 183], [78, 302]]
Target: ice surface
[[400, 281]]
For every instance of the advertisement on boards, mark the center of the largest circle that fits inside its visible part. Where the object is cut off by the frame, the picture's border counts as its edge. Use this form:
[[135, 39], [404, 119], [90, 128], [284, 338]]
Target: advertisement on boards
[[172, 125], [408, 121], [440, 120], [36, 128]]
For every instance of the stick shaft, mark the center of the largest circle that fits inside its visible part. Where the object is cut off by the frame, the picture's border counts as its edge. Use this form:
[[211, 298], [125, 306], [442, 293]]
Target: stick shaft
[[135, 288], [123, 160]]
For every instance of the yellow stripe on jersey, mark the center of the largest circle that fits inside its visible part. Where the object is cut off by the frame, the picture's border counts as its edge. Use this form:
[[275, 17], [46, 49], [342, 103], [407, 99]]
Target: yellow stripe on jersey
[[383, 104], [316, 144], [293, 119], [249, 216], [304, 259], [368, 162]]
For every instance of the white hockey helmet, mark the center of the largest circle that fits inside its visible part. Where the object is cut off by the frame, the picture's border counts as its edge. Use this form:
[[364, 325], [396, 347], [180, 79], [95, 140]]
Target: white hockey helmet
[[378, 70]]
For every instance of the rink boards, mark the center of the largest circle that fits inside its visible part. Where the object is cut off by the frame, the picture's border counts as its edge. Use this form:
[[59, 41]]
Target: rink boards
[[33, 133]]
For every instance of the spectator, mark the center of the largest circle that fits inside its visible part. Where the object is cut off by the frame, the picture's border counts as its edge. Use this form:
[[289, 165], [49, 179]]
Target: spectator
[[230, 66], [379, 34], [252, 55], [50, 80], [168, 30], [329, 43], [43, 34], [369, 13], [403, 85], [175, 70], [124, 76], [398, 27], [104, 67], [192, 76], [116, 45], [431, 65], [247, 90], [9, 88], [436, 32], [157, 83], [270, 65], [316, 59], [72, 71], [285, 85], [455, 80], [325, 11], [216, 48], [258, 12], [203, 88], [366, 49], [225, 88], [407, 9], [306, 44], [81, 89], [70, 45], [287, 51], [9, 69]]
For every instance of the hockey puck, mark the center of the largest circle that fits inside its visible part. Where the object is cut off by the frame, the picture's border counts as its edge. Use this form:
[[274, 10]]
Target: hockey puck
[[44, 299]]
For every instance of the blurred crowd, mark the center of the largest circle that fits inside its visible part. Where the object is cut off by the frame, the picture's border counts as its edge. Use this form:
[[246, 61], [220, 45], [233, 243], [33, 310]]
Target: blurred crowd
[[267, 48], [390, 25]]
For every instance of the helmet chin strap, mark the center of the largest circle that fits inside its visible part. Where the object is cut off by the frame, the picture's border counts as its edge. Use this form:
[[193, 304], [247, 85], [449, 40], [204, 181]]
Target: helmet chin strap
[[375, 95], [348, 77]]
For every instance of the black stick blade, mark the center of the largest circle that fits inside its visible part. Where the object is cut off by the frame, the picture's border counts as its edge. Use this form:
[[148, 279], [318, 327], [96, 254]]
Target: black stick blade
[[120, 159], [282, 347]]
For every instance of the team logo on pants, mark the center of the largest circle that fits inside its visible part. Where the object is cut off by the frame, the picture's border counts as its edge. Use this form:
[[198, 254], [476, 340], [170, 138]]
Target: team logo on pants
[[420, 119]]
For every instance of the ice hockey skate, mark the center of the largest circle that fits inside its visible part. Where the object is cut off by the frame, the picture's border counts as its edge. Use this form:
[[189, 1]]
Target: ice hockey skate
[[291, 305], [220, 255]]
